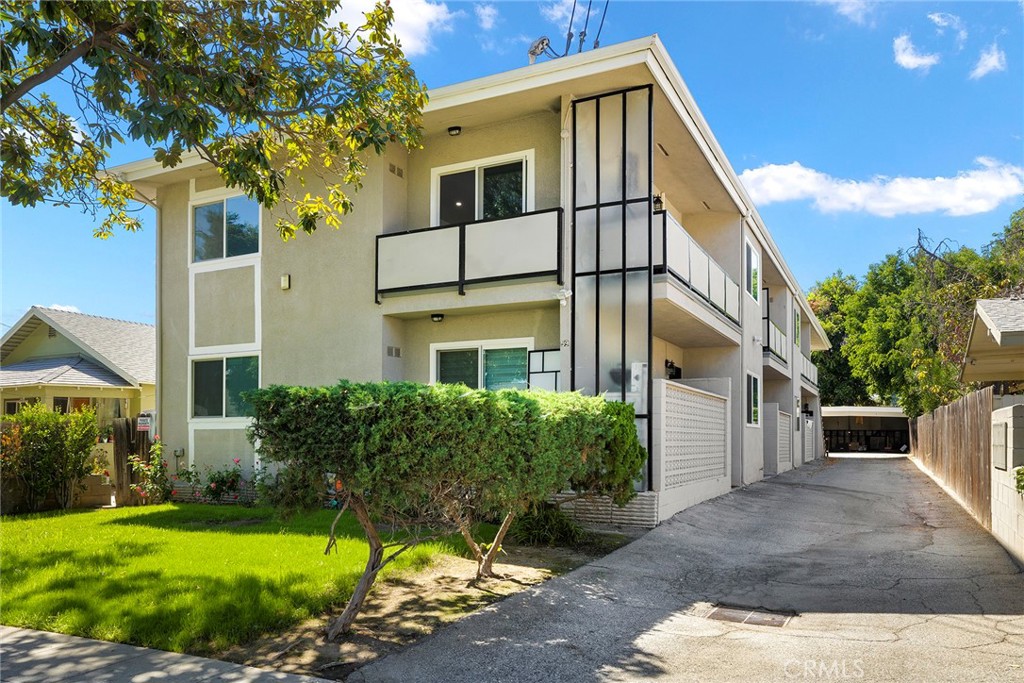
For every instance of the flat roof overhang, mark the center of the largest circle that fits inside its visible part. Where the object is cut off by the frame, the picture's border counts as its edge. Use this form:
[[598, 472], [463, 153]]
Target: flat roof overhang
[[993, 355]]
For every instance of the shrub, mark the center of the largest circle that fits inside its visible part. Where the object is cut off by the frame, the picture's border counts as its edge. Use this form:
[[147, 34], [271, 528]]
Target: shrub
[[48, 452], [1019, 476], [217, 485], [546, 525], [441, 455], [154, 485]]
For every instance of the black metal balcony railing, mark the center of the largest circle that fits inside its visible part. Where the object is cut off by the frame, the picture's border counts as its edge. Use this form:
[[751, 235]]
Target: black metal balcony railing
[[490, 250]]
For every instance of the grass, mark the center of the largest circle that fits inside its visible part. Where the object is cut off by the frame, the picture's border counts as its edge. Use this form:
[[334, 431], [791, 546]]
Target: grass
[[185, 578]]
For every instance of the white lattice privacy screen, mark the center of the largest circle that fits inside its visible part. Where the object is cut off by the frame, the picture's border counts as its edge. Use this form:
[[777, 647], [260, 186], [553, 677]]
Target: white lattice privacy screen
[[694, 445], [785, 441]]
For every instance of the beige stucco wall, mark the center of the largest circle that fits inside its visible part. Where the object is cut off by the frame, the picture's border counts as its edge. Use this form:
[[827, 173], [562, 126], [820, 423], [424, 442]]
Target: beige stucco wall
[[539, 323], [40, 345], [661, 351], [215, 448], [173, 324], [225, 307], [327, 326], [539, 132]]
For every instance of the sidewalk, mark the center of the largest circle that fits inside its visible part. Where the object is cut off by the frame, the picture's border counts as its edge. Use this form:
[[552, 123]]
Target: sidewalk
[[32, 656]]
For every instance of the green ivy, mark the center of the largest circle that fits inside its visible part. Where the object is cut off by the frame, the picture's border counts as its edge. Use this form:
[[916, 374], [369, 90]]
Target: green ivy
[[1019, 476]]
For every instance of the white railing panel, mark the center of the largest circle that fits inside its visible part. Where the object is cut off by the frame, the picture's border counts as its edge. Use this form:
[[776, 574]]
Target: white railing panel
[[716, 280], [700, 266], [679, 245], [513, 246], [421, 258], [774, 338], [732, 300]]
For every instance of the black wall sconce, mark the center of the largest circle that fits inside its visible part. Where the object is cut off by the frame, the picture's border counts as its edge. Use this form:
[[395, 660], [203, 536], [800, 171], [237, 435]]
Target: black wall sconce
[[454, 130], [659, 202], [437, 317], [672, 370]]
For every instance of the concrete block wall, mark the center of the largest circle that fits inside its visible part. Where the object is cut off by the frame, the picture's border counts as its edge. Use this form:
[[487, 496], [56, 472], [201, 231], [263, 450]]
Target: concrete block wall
[[1007, 503]]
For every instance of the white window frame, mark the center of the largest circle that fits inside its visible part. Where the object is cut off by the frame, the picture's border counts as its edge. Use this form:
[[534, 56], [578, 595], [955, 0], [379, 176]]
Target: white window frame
[[527, 156], [480, 345], [746, 400], [797, 323], [254, 261], [219, 421], [750, 256]]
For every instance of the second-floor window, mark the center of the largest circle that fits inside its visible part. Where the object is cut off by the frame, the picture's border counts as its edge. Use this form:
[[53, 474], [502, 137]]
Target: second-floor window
[[796, 326], [482, 189], [225, 228], [753, 280]]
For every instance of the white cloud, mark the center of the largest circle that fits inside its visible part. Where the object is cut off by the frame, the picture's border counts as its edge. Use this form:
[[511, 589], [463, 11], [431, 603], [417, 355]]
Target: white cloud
[[856, 11], [943, 20], [486, 15], [907, 56], [416, 21], [971, 192], [559, 12], [62, 307], [991, 59]]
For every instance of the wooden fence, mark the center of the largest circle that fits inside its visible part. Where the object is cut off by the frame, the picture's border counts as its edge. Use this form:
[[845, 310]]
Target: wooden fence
[[954, 444]]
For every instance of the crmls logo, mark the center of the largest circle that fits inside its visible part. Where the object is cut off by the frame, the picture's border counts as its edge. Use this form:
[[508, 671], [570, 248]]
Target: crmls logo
[[837, 669]]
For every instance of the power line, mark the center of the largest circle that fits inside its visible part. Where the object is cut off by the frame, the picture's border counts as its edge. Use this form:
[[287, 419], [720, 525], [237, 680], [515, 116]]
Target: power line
[[597, 41]]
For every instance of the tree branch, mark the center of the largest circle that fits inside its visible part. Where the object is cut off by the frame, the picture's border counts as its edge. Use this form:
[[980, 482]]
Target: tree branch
[[65, 60]]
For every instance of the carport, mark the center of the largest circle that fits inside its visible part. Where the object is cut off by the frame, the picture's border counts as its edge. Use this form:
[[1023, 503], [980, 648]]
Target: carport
[[875, 429]]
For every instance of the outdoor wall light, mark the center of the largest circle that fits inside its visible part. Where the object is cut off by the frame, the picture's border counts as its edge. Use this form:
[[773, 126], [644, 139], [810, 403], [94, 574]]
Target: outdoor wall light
[[437, 317], [454, 130], [286, 281], [659, 202]]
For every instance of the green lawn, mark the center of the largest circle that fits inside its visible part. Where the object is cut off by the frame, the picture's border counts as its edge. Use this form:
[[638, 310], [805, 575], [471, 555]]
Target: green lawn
[[195, 578]]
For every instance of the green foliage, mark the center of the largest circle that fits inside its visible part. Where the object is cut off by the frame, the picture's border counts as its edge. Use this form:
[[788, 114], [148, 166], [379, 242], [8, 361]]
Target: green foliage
[[907, 324], [48, 452], [546, 525], [836, 381], [184, 578], [413, 451], [267, 91], [223, 485], [1019, 480], [154, 484]]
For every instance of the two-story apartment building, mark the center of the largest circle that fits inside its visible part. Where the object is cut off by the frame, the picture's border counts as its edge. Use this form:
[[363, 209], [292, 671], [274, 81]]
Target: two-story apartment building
[[570, 225]]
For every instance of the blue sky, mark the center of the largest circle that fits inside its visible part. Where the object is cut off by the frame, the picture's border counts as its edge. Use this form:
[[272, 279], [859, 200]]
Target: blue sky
[[852, 123]]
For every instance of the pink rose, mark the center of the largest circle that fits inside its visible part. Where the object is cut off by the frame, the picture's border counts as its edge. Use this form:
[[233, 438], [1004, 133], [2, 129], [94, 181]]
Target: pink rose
[[238, 460]]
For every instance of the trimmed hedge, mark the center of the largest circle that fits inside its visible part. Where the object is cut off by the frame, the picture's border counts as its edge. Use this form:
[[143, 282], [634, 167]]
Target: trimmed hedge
[[396, 442]]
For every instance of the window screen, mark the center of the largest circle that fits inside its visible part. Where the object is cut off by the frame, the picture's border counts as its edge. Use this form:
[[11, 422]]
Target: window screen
[[503, 190], [208, 388], [208, 228], [505, 368], [459, 366], [458, 198]]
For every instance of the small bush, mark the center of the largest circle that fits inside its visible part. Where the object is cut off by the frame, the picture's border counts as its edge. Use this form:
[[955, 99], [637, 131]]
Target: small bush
[[1019, 474], [48, 452], [154, 485], [547, 525]]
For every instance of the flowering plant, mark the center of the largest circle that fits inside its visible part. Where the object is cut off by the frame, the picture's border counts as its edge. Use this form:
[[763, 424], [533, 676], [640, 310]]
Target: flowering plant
[[224, 484], [154, 486]]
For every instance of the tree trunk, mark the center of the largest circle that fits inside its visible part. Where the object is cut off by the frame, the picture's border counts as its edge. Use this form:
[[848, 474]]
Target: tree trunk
[[486, 564], [374, 562], [467, 531]]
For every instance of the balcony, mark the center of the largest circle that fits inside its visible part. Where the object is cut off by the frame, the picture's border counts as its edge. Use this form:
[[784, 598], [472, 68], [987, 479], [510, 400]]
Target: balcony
[[774, 339], [678, 254], [808, 370], [486, 251]]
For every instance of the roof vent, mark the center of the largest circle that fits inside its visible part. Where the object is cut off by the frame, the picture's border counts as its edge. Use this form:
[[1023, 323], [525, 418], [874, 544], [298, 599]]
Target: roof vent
[[52, 333]]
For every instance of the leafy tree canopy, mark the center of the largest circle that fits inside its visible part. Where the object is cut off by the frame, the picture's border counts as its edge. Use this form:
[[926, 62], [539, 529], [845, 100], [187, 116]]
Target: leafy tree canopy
[[261, 89], [836, 381]]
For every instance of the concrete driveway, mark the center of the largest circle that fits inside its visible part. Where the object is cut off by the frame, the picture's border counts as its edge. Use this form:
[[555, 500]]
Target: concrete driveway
[[887, 580]]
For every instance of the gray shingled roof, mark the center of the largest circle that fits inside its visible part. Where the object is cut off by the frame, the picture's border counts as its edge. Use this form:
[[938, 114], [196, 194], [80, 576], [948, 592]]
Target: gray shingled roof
[[69, 371], [1007, 315], [127, 348]]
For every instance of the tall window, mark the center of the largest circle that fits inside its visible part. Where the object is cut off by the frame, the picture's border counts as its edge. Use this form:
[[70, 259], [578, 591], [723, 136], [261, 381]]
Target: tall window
[[753, 281], [218, 384], [225, 228], [497, 364], [753, 400], [488, 188], [796, 326]]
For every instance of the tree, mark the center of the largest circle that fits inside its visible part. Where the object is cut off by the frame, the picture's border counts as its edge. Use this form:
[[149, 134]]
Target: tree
[[838, 385], [433, 460], [264, 90], [876, 323]]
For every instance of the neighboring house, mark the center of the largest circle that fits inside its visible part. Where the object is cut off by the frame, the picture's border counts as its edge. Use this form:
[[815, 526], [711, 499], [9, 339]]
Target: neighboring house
[[877, 429], [68, 360], [995, 348], [568, 225]]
